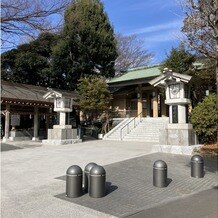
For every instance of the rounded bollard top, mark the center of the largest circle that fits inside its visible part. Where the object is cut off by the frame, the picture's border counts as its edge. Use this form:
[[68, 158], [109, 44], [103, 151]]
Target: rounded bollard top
[[89, 166], [197, 158], [97, 170], [160, 164], [74, 170]]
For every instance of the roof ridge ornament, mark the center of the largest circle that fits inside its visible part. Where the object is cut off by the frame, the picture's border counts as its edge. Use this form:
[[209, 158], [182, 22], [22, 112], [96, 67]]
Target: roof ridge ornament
[[169, 76]]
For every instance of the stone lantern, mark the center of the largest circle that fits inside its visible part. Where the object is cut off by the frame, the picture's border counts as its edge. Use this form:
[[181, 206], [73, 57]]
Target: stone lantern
[[62, 106], [61, 133], [177, 96], [179, 131]]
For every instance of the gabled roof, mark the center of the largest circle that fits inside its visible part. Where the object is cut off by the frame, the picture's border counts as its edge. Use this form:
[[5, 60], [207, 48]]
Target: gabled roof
[[142, 73], [169, 76], [52, 94], [24, 92]]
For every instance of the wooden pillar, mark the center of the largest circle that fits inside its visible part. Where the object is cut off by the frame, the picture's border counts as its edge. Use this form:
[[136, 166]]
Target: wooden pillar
[[139, 97], [124, 106], [36, 124], [163, 107], [7, 123], [148, 105], [155, 104]]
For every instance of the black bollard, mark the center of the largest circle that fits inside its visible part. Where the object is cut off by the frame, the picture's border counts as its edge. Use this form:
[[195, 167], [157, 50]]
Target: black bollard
[[86, 175], [197, 166], [74, 182], [97, 182], [160, 174]]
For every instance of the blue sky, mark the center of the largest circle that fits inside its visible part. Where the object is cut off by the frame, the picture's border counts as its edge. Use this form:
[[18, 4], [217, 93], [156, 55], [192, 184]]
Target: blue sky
[[157, 22]]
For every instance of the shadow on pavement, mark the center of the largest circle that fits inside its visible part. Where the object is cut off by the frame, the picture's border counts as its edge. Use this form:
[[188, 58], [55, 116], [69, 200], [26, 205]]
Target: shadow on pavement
[[210, 165], [8, 147]]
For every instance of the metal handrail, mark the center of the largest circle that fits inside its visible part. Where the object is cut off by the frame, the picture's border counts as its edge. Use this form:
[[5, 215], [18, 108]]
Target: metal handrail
[[127, 125]]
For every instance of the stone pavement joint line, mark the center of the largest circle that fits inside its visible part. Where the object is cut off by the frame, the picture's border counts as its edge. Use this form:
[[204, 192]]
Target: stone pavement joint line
[[131, 185]]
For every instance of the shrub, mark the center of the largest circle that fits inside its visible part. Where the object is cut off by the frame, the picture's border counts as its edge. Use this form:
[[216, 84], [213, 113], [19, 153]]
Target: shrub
[[204, 118]]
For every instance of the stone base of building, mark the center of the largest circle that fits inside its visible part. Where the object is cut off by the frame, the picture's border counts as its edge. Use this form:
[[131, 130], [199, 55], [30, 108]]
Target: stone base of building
[[13, 139], [178, 134], [60, 142], [173, 149]]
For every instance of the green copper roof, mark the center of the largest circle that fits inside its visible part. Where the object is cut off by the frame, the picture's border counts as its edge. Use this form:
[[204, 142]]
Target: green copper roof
[[138, 73]]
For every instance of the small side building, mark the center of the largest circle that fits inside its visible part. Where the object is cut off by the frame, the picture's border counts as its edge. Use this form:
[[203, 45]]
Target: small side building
[[25, 114]]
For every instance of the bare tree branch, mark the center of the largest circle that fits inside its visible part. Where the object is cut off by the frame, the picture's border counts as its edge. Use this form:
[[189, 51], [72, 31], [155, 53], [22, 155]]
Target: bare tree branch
[[28, 17], [131, 53], [201, 28]]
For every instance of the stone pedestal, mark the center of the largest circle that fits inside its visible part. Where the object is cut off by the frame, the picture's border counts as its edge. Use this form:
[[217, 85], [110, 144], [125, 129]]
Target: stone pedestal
[[178, 134], [61, 134]]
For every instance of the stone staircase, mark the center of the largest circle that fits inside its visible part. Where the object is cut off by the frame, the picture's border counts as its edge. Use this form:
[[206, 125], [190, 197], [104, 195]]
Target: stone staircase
[[145, 130], [114, 134], [20, 135]]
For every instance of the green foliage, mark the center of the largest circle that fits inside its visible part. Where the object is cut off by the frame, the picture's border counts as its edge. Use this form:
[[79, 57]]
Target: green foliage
[[204, 118], [30, 63], [202, 71], [203, 78], [94, 96], [87, 45], [179, 60]]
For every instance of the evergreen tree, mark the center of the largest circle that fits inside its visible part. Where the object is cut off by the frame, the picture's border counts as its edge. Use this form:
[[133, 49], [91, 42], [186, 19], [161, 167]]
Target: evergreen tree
[[87, 45], [205, 118], [179, 60], [30, 62], [202, 71], [94, 96]]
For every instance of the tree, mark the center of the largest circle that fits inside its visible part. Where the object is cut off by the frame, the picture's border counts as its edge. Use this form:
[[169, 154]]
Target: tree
[[205, 118], [179, 60], [30, 63], [131, 53], [202, 71], [28, 18], [201, 28], [87, 45], [94, 96]]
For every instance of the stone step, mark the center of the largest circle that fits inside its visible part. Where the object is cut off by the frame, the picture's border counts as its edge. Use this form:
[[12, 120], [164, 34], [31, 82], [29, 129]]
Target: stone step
[[141, 140], [22, 138], [146, 130], [142, 136]]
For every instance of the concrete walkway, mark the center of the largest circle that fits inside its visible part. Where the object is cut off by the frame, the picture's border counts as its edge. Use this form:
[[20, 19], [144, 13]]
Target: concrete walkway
[[28, 183], [30, 180]]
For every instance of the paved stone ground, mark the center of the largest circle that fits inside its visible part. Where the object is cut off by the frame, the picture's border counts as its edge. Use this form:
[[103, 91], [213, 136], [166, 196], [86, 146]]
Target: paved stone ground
[[203, 204], [132, 188], [28, 183], [32, 183]]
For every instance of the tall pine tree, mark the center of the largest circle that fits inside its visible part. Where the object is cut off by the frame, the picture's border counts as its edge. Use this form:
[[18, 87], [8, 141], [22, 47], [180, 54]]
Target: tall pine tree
[[87, 45]]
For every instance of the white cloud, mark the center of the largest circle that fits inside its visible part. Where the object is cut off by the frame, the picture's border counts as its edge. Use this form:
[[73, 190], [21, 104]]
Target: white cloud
[[161, 27], [156, 5], [163, 37]]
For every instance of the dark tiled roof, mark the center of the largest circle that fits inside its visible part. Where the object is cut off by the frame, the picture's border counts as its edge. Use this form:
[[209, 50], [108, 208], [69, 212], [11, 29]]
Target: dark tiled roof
[[24, 92]]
